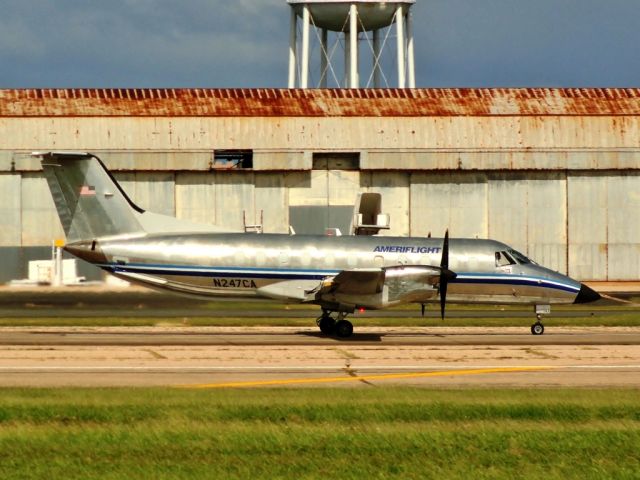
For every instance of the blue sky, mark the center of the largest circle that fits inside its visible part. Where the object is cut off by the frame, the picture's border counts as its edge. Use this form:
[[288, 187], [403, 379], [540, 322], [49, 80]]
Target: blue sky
[[243, 43]]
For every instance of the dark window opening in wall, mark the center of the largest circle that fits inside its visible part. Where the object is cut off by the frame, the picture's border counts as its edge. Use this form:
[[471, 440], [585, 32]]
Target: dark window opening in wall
[[336, 161], [232, 159]]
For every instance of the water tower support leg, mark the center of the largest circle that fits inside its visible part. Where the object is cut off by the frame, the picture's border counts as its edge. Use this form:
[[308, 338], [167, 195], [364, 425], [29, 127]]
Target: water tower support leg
[[304, 74], [293, 36], [400, 46], [410, 57], [353, 44]]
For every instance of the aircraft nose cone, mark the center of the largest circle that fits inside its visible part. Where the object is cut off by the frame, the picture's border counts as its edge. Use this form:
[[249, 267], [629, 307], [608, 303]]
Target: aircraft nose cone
[[586, 295]]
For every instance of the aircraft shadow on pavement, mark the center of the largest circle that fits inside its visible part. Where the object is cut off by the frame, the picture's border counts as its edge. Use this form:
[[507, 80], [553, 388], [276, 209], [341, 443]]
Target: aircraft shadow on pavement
[[356, 337]]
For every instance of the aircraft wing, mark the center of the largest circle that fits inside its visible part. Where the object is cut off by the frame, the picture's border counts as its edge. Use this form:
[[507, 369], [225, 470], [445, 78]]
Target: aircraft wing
[[358, 281], [371, 280]]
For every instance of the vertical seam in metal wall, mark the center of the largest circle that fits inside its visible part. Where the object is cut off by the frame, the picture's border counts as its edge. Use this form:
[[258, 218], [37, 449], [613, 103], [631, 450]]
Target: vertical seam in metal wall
[[528, 183], [287, 199], [488, 204], [254, 206], [409, 202], [606, 210], [175, 196], [485, 179], [21, 249], [566, 221]]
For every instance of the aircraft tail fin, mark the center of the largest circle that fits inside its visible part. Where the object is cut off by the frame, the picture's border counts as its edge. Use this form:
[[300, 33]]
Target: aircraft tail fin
[[89, 201]]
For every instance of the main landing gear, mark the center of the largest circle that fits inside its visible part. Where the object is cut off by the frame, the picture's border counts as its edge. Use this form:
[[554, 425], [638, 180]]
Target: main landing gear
[[335, 326]]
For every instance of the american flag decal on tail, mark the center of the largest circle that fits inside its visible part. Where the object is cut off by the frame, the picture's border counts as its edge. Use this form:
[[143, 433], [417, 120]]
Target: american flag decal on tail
[[87, 190]]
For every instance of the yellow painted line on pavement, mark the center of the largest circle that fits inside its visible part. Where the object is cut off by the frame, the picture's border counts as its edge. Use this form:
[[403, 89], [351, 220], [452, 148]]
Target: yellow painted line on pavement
[[388, 376]]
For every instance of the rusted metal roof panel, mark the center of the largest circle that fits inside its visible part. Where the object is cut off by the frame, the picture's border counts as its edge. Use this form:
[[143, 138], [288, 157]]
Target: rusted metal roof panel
[[265, 102]]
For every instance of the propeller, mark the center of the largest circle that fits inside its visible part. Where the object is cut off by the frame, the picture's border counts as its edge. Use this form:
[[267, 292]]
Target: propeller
[[446, 275]]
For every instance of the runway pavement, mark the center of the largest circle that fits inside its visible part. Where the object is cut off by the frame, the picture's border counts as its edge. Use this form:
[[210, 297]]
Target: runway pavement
[[293, 336], [219, 357]]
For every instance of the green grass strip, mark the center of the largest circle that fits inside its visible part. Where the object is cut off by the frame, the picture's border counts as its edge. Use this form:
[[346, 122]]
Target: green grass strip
[[384, 432]]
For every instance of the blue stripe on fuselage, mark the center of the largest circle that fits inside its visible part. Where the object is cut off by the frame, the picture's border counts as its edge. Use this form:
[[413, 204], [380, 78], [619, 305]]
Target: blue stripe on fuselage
[[310, 274], [505, 279], [224, 272]]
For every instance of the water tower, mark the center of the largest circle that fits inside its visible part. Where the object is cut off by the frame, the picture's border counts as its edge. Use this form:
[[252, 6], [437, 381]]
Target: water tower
[[369, 21]]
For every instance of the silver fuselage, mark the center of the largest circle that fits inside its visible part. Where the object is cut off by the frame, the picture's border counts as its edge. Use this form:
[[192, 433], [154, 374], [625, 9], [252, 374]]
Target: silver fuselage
[[292, 268]]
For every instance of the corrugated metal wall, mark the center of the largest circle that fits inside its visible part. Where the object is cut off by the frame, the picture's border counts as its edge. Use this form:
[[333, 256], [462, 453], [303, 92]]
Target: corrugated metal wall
[[40, 222], [582, 223], [11, 209], [352, 133], [553, 172]]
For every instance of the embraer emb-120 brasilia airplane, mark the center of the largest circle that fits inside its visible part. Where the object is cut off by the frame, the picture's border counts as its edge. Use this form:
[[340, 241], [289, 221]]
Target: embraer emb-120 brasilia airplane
[[338, 273]]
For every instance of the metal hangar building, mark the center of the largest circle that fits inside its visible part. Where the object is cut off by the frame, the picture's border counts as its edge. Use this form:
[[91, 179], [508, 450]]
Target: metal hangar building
[[552, 172]]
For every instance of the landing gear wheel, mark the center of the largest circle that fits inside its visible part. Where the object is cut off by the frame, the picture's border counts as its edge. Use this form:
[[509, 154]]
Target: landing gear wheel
[[537, 328], [327, 325], [344, 329]]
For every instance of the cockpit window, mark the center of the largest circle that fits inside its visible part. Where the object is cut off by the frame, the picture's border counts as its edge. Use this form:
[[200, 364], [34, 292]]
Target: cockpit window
[[522, 259], [503, 259]]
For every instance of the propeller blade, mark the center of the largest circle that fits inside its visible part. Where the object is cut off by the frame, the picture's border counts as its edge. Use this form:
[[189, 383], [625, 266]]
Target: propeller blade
[[444, 261], [443, 297], [445, 273]]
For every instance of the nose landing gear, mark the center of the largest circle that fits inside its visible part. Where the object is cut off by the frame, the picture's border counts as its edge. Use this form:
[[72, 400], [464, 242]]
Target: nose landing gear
[[538, 328], [339, 326]]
